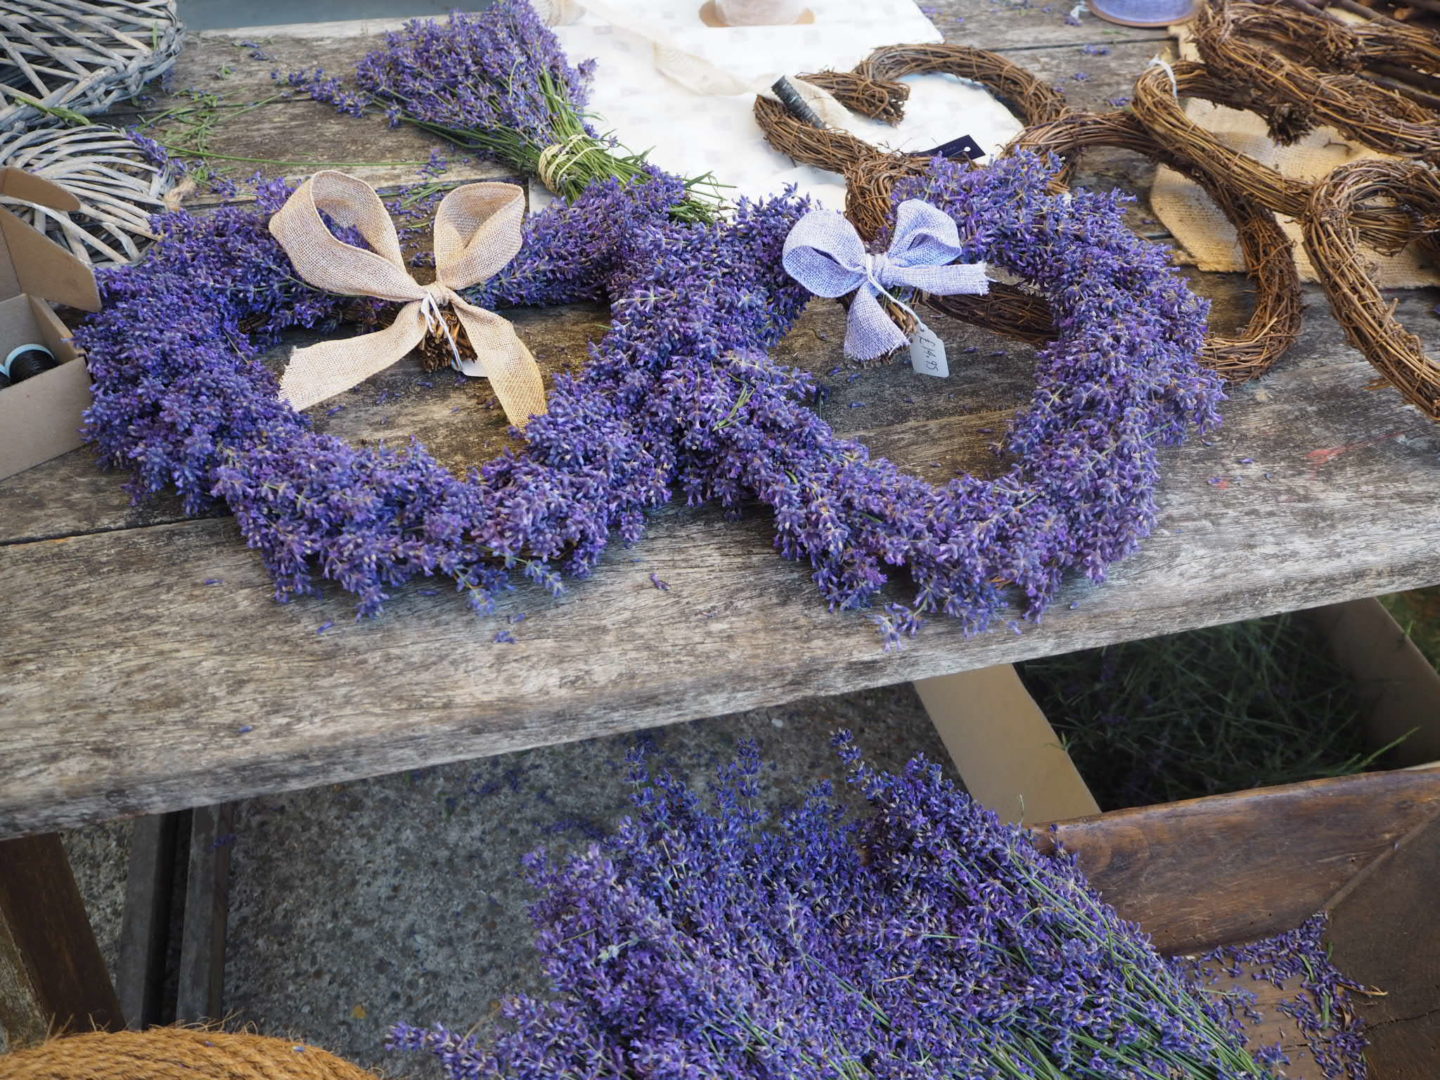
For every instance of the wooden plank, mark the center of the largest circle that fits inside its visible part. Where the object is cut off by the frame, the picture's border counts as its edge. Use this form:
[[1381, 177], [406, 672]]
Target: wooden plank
[[1316, 490], [201, 975], [287, 127], [1006, 752], [1207, 872], [48, 947], [423, 684], [1383, 933], [220, 61], [145, 932]]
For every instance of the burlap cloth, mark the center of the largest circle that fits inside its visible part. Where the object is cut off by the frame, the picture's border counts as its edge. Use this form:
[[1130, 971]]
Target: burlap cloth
[[176, 1054], [1201, 229]]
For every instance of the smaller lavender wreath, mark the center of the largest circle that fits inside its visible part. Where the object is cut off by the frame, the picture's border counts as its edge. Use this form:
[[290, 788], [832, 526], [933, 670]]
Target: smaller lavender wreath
[[679, 398]]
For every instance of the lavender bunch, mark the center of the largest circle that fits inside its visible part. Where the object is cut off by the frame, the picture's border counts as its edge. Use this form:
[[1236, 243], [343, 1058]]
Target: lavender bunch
[[497, 83], [925, 940]]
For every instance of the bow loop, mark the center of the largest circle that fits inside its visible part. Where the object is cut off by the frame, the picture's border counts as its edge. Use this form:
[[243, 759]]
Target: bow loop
[[924, 235], [477, 231], [825, 254]]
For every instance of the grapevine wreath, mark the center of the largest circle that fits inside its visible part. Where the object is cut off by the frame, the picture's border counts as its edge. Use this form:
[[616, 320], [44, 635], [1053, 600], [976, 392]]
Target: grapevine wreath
[[679, 398]]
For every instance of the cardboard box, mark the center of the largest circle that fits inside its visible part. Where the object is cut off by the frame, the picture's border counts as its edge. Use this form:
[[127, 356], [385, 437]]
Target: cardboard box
[[40, 417], [1012, 761]]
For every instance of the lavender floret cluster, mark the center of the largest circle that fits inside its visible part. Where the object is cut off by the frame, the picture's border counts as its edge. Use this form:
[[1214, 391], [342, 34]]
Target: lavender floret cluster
[[477, 74], [925, 940]]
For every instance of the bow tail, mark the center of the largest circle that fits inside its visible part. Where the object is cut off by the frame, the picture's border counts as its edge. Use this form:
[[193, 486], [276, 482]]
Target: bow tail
[[505, 361], [869, 332], [321, 371]]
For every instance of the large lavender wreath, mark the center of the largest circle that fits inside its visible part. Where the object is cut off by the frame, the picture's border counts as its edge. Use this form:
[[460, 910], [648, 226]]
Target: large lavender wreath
[[680, 397]]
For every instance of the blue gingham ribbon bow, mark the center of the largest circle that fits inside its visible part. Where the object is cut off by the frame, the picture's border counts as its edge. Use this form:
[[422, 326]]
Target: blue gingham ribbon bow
[[825, 254]]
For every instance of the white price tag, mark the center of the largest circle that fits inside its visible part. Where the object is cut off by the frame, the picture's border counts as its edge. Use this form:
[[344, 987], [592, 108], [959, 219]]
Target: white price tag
[[927, 352]]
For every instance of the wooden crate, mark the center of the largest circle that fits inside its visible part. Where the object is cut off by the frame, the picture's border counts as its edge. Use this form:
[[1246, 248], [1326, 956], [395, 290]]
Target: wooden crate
[[1238, 867], [1235, 868]]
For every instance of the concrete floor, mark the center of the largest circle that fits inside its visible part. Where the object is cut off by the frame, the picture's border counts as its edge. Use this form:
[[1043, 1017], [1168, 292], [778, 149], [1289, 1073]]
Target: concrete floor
[[358, 905]]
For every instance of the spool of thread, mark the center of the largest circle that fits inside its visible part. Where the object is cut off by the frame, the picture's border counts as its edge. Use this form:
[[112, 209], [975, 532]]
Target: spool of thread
[[794, 103], [759, 12], [27, 361], [1144, 12]]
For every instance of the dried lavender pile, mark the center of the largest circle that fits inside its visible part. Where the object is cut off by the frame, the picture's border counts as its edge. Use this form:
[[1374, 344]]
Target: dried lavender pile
[[924, 940], [1208, 711]]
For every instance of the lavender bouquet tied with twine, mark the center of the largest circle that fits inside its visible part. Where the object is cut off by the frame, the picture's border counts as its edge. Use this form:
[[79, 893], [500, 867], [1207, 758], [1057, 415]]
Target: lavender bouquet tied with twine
[[498, 83], [925, 941]]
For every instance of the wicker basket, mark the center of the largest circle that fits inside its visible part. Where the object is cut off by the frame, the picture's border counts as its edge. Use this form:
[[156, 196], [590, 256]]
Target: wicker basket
[[80, 55], [118, 188]]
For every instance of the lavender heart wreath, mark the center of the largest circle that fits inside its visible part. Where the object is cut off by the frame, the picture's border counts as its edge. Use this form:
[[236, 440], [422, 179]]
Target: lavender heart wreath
[[680, 398]]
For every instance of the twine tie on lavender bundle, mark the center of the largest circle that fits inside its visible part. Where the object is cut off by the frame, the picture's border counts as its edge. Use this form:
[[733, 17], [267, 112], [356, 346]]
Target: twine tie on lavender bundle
[[477, 231], [824, 253]]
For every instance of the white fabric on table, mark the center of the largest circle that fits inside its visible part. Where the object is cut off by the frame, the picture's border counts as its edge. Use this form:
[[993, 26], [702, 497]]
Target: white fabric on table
[[690, 133]]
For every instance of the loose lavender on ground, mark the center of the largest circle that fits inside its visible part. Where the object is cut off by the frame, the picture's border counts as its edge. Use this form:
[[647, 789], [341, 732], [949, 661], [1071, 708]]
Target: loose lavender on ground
[[498, 84], [1319, 997], [924, 940]]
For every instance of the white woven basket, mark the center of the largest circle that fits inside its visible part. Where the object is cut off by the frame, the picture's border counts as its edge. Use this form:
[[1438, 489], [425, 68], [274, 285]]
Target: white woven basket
[[117, 186], [80, 54]]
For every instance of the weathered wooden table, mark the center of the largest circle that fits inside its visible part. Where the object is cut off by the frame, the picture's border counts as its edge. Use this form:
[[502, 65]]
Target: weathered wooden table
[[145, 665]]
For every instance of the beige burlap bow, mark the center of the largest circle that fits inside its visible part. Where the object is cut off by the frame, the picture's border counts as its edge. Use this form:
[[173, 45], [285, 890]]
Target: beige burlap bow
[[477, 231]]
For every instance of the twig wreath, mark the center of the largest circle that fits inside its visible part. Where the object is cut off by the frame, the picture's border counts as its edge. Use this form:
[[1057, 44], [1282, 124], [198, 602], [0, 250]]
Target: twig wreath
[[1333, 240], [679, 398], [1274, 325], [1269, 49], [1157, 103]]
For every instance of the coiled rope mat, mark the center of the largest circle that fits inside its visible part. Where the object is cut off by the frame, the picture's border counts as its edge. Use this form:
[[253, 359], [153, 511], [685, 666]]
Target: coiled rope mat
[[166, 1053]]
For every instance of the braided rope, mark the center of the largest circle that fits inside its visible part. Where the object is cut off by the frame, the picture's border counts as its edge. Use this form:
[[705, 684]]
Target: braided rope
[[175, 1054]]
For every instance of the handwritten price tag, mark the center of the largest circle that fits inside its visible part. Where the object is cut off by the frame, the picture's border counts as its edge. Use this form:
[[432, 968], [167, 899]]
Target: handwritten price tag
[[927, 353]]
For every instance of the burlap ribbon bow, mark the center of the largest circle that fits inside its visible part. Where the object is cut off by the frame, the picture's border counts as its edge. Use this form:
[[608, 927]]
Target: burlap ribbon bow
[[477, 231]]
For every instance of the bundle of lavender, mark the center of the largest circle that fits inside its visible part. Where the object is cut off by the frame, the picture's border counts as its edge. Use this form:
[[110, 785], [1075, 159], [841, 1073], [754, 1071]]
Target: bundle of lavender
[[497, 83], [924, 941]]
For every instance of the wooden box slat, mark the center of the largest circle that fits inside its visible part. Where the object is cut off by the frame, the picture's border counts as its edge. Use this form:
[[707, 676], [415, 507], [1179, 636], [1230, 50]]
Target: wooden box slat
[[1233, 868]]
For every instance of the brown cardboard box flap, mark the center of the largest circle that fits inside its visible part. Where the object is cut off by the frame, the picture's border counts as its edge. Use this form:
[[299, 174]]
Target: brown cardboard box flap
[[40, 267], [19, 184], [32, 263]]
